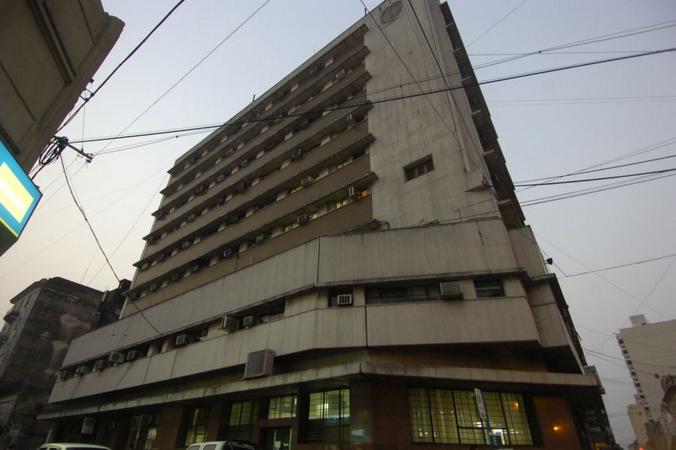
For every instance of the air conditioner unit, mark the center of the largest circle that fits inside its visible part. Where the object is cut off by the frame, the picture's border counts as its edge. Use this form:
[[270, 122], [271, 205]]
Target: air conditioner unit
[[248, 321], [306, 181], [297, 154], [88, 425], [228, 253], [451, 290], [352, 192], [82, 370], [243, 163], [259, 364], [344, 299], [132, 355], [181, 340], [116, 358], [303, 219], [99, 365], [260, 238], [185, 244], [229, 324], [192, 217], [175, 276]]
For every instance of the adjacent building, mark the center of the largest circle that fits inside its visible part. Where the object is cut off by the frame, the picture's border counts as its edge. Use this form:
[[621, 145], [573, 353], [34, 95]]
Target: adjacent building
[[49, 52], [648, 350], [341, 266], [42, 321]]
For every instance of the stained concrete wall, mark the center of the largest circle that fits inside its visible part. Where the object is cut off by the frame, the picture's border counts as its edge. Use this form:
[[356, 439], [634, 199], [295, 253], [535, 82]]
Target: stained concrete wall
[[448, 250]]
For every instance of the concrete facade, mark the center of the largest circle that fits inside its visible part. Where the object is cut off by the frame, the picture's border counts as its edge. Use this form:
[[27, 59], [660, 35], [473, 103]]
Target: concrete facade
[[43, 320], [336, 270], [49, 52]]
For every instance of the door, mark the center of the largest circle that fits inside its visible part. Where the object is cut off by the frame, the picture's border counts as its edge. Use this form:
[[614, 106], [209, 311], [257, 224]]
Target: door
[[278, 438]]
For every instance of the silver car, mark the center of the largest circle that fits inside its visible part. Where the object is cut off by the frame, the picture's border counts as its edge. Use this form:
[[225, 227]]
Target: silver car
[[73, 446]]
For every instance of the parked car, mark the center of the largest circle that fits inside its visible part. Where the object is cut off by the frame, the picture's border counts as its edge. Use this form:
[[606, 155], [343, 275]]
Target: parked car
[[74, 446], [223, 445]]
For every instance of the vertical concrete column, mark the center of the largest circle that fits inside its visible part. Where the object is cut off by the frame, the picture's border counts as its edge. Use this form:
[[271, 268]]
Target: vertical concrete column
[[361, 414], [170, 428], [556, 423], [215, 420], [391, 428]]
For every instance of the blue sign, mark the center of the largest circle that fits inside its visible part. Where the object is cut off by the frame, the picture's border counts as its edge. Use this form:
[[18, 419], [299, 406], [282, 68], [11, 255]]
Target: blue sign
[[18, 195]]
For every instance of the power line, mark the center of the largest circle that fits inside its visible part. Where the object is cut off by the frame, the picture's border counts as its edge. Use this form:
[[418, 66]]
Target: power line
[[592, 40], [633, 360], [588, 191], [134, 50], [581, 172], [619, 266], [587, 180], [84, 216], [498, 22], [374, 101], [192, 69]]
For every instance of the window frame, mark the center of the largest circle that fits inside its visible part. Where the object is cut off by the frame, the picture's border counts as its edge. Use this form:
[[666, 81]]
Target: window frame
[[325, 429], [418, 168]]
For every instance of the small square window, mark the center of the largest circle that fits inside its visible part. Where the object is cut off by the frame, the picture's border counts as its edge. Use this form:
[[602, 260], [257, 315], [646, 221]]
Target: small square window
[[419, 168], [489, 287]]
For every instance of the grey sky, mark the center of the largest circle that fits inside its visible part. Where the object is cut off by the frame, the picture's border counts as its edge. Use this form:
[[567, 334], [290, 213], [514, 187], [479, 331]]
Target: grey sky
[[612, 109]]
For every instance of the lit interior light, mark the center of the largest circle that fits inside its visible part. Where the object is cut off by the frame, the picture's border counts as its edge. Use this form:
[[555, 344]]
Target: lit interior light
[[556, 428]]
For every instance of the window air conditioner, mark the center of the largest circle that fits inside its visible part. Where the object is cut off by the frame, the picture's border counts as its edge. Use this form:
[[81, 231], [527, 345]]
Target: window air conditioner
[[306, 181], [248, 321], [116, 358], [344, 299], [185, 244], [132, 355], [229, 324], [303, 219], [297, 154], [451, 290], [181, 340], [99, 365], [259, 364], [82, 370]]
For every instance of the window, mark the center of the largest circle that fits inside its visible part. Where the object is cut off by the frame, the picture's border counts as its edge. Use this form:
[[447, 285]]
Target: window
[[451, 417], [282, 407], [489, 287], [419, 168], [197, 426], [329, 416], [402, 294], [240, 423]]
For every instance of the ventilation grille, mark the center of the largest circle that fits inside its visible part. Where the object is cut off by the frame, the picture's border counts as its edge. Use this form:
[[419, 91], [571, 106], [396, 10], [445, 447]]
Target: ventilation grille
[[259, 364]]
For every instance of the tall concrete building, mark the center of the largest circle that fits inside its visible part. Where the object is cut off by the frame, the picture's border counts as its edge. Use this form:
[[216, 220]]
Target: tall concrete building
[[648, 350], [340, 266], [42, 321]]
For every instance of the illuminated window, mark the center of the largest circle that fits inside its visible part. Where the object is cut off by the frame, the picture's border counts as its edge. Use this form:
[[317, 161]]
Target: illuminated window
[[282, 407], [328, 416], [197, 426], [451, 417], [241, 421]]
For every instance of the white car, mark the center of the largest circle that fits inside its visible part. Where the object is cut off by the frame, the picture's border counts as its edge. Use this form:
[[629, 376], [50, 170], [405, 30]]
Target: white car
[[222, 445], [74, 446]]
